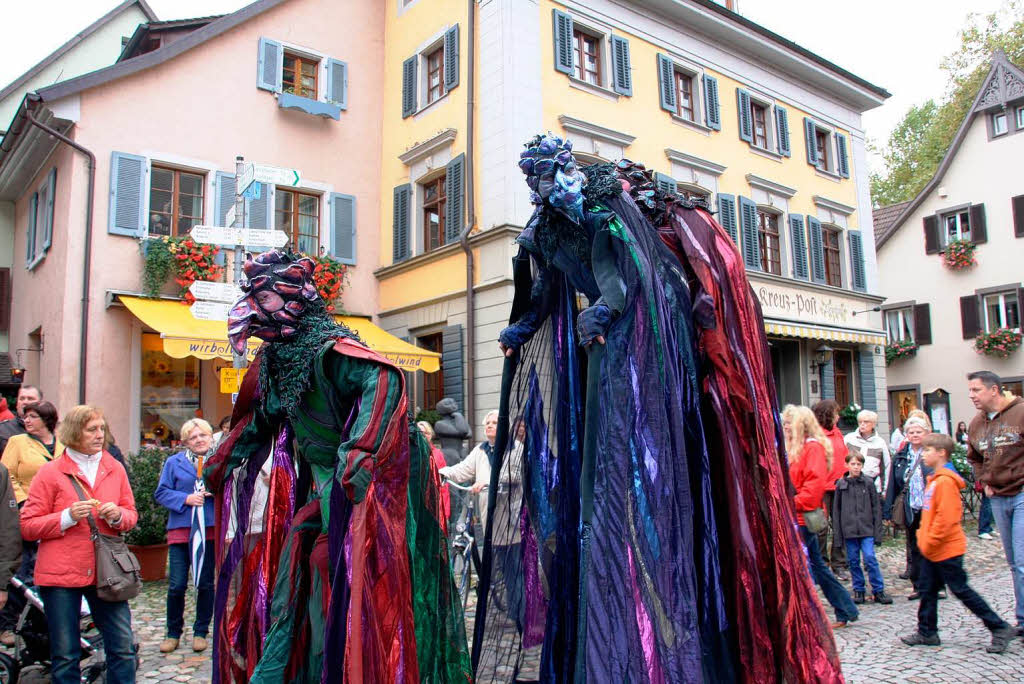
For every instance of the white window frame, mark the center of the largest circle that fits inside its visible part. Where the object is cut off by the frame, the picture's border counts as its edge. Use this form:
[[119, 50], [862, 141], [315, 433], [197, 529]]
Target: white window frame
[[697, 79], [771, 135], [417, 244], [190, 165], [958, 215], [38, 253], [1002, 299], [904, 319], [422, 53], [1020, 117], [307, 53], [996, 118], [604, 49], [831, 168]]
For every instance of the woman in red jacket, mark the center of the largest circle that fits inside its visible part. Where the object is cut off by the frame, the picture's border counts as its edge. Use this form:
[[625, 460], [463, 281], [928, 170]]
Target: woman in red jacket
[[810, 456], [54, 515], [826, 412]]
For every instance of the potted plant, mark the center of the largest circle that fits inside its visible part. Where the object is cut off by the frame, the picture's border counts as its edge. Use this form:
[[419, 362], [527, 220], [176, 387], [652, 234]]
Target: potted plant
[[848, 415], [900, 349], [148, 539], [959, 255], [999, 343], [182, 257]]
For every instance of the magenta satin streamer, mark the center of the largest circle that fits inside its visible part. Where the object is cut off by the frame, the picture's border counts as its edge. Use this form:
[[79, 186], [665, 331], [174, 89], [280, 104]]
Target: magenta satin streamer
[[535, 607], [644, 626]]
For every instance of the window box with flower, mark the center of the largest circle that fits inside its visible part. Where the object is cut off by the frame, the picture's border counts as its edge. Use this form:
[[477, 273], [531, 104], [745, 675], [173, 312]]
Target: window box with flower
[[999, 343], [959, 255], [900, 349]]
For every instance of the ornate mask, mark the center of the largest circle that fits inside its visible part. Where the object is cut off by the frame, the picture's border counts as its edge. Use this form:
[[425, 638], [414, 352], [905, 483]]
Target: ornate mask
[[552, 174]]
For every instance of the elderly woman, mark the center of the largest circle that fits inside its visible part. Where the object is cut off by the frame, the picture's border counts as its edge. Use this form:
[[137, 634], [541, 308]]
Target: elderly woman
[[54, 514], [182, 493], [911, 474], [866, 441]]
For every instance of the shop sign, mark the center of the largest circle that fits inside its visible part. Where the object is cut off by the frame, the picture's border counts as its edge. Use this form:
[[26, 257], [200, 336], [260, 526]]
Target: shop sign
[[806, 306], [231, 379]]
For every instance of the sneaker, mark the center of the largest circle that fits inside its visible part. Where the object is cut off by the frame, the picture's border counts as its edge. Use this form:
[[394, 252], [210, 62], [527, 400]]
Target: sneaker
[[169, 645], [918, 639], [986, 536], [1001, 639], [858, 597], [7, 638], [883, 598], [198, 644]]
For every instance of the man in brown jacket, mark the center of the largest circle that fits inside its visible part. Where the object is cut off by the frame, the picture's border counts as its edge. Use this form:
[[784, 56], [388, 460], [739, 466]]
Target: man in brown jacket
[[995, 444]]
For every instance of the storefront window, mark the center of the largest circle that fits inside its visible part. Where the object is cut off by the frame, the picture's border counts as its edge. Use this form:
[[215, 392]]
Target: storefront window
[[901, 403], [170, 393]]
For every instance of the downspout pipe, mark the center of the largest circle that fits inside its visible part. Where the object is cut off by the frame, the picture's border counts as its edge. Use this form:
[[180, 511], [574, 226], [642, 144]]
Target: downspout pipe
[[87, 260], [470, 212]]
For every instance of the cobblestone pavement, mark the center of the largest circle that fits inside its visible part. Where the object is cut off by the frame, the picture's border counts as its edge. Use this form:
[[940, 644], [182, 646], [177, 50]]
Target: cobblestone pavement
[[149, 620]]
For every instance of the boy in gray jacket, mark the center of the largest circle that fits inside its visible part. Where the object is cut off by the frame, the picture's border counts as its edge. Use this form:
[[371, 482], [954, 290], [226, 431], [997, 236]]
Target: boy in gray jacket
[[857, 522]]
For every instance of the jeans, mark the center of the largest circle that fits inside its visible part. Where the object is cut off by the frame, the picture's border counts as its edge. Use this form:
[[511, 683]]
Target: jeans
[[854, 548], [177, 586], [1009, 514], [114, 620], [949, 572], [835, 592], [985, 519]]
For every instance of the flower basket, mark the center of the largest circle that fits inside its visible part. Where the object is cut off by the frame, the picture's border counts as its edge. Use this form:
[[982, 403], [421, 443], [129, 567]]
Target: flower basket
[[959, 255], [181, 257], [900, 349], [999, 343], [848, 414], [330, 277]]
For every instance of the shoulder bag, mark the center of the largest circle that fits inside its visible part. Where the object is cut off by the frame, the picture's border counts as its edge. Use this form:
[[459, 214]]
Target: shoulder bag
[[899, 511], [815, 521], [117, 568]]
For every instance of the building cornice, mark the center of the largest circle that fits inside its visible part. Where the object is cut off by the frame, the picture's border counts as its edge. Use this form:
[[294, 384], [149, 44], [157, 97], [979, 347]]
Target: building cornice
[[574, 125], [833, 205], [428, 147], [770, 186], [476, 239], [695, 162]]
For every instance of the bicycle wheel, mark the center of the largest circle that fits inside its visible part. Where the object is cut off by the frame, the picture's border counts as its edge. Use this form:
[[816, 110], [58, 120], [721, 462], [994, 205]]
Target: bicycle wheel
[[460, 572], [9, 669]]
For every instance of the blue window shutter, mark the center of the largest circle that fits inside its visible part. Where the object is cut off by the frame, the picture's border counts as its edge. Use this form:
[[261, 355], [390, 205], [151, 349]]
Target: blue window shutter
[[563, 41], [727, 215], [817, 250], [667, 83], [337, 82], [828, 381], [751, 245], [409, 87], [666, 183], [30, 242], [51, 189], [343, 228], [451, 58], [621, 69], [269, 64], [782, 129], [743, 108], [812, 145], [400, 247], [225, 197], [712, 111], [452, 353], [844, 162], [454, 183], [798, 245], [857, 261], [127, 195], [866, 371]]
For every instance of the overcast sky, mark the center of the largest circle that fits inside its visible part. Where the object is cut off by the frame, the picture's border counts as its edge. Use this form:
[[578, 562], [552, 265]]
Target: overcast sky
[[896, 44]]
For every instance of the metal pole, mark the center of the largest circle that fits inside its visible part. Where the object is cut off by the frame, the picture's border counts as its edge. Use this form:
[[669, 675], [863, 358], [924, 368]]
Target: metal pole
[[239, 360]]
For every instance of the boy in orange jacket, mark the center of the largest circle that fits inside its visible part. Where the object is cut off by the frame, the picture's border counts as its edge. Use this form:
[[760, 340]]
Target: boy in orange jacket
[[942, 542]]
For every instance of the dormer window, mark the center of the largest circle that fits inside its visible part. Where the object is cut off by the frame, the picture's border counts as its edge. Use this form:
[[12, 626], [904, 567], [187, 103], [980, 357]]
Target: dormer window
[[999, 123]]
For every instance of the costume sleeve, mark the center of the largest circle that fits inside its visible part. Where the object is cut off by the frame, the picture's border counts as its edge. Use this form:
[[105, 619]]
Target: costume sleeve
[[10, 534], [166, 495], [541, 302]]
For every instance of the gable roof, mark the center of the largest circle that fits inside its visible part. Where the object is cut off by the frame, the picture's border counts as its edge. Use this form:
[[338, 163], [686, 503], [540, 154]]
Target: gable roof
[[75, 40], [883, 217], [1004, 82], [143, 31]]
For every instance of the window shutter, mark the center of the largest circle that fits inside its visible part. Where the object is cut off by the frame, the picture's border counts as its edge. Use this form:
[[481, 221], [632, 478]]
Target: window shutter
[[666, 183], [342, 245], [751, 245], [452, 362], [622, 71], [30, 242], [844, 162], [563, 42], [931, 235], [454, 183], [712, 111], [857, 261], [400, 250], [812, 147], [743, 108], [337, 82], [923, 324], [409, 87], [828, 381], [270, 63], [5, 300], [666, 83], [817, 250], [127, 195], [51, 188], [451, 58], [727, 215], [782, 128], [979, 233], [866, 371], [970, 318], [798, 244], [1018, 217], [257, 211], [225, 197]]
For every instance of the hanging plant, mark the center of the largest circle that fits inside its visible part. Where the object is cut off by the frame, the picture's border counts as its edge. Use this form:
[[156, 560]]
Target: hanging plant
[[158, 265], [330, 277], [901, 349], [999, 343], [193, 261], [959, 255]]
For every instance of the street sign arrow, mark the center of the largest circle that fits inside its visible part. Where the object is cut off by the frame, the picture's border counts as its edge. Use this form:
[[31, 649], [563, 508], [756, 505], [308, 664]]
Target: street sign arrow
[[216, 292], [217, 235], [210, 311], [264, 173]]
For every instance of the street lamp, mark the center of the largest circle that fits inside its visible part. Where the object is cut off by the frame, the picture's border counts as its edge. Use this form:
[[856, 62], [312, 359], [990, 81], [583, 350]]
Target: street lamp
[[823, 354]]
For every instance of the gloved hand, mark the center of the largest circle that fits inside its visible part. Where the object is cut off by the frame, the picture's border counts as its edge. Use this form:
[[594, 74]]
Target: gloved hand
[[593, 323]]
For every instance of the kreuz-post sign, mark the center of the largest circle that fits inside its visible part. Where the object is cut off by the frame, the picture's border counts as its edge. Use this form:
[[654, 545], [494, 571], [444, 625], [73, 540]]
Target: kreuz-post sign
[[216, 235], [264, 173]]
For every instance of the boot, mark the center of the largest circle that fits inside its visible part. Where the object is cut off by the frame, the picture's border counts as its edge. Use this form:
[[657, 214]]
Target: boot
[[858, 597], [883, 598], [169, 645], [918, 639], [1001, 639]]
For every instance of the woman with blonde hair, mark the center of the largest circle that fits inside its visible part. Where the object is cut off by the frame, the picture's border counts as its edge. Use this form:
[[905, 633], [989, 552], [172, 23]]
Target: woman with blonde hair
[[437, 456], [810, 460]]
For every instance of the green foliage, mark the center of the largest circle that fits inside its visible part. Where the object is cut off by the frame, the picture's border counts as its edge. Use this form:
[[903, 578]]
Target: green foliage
[[429, 415], [959, 460], [900, 349], [144, 476], [158, 265]]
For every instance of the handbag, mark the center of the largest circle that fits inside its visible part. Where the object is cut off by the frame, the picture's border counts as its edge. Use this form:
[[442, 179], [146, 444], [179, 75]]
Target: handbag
[[815, 521], [899, 511], [117, 569]]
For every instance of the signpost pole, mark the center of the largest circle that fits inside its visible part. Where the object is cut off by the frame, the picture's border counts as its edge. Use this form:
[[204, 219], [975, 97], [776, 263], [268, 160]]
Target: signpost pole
[[239, 360]]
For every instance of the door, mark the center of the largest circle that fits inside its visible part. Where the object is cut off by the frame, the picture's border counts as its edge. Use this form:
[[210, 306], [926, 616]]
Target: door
[[433, 383], [842, 362]]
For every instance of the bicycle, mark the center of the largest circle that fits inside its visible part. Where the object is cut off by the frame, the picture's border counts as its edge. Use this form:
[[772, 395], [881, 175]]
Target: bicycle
[[463, 544]]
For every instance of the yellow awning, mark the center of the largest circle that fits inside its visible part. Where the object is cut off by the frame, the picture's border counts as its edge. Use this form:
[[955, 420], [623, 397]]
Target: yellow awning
[[815, 332], [185, 335]]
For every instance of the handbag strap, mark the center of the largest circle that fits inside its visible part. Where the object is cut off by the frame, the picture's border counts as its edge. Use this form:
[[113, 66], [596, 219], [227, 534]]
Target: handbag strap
[[81, 495], [906, 485]]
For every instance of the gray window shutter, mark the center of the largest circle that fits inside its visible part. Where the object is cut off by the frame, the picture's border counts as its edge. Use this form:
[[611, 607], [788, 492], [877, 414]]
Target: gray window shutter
[[451, 58], [270, 62], [751, 244], [923, 324], [798, 244], [409, 87], [844, 162], [51, 188], [343, 228], [817, 250], [970, 316], [828, 381], [931, 235], [452, 362], [782, 128], [812, 146], [30, 242], [866, 372], [727, 215], [257, 211], [225, 194], [454, 183], [563, 42], [712, 111], [666, 183], [400, 249], [621, 69], [337, 83], [127, 195], [1018, 216], [667, 83], [979, 232], [857, 261], [743, 108]]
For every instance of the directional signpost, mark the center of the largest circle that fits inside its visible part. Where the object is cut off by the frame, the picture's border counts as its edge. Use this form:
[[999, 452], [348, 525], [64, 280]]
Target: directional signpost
[[216, 235], [264, 173], [211, 311], [227, 293]]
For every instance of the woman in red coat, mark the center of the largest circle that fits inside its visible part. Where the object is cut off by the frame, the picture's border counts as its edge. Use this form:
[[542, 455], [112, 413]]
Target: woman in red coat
[[810, 460], [55, 515], [826, 412]]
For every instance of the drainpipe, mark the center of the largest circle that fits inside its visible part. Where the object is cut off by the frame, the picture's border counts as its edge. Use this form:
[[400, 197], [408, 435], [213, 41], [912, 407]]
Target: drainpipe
[[471, 213], [87, 261]]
